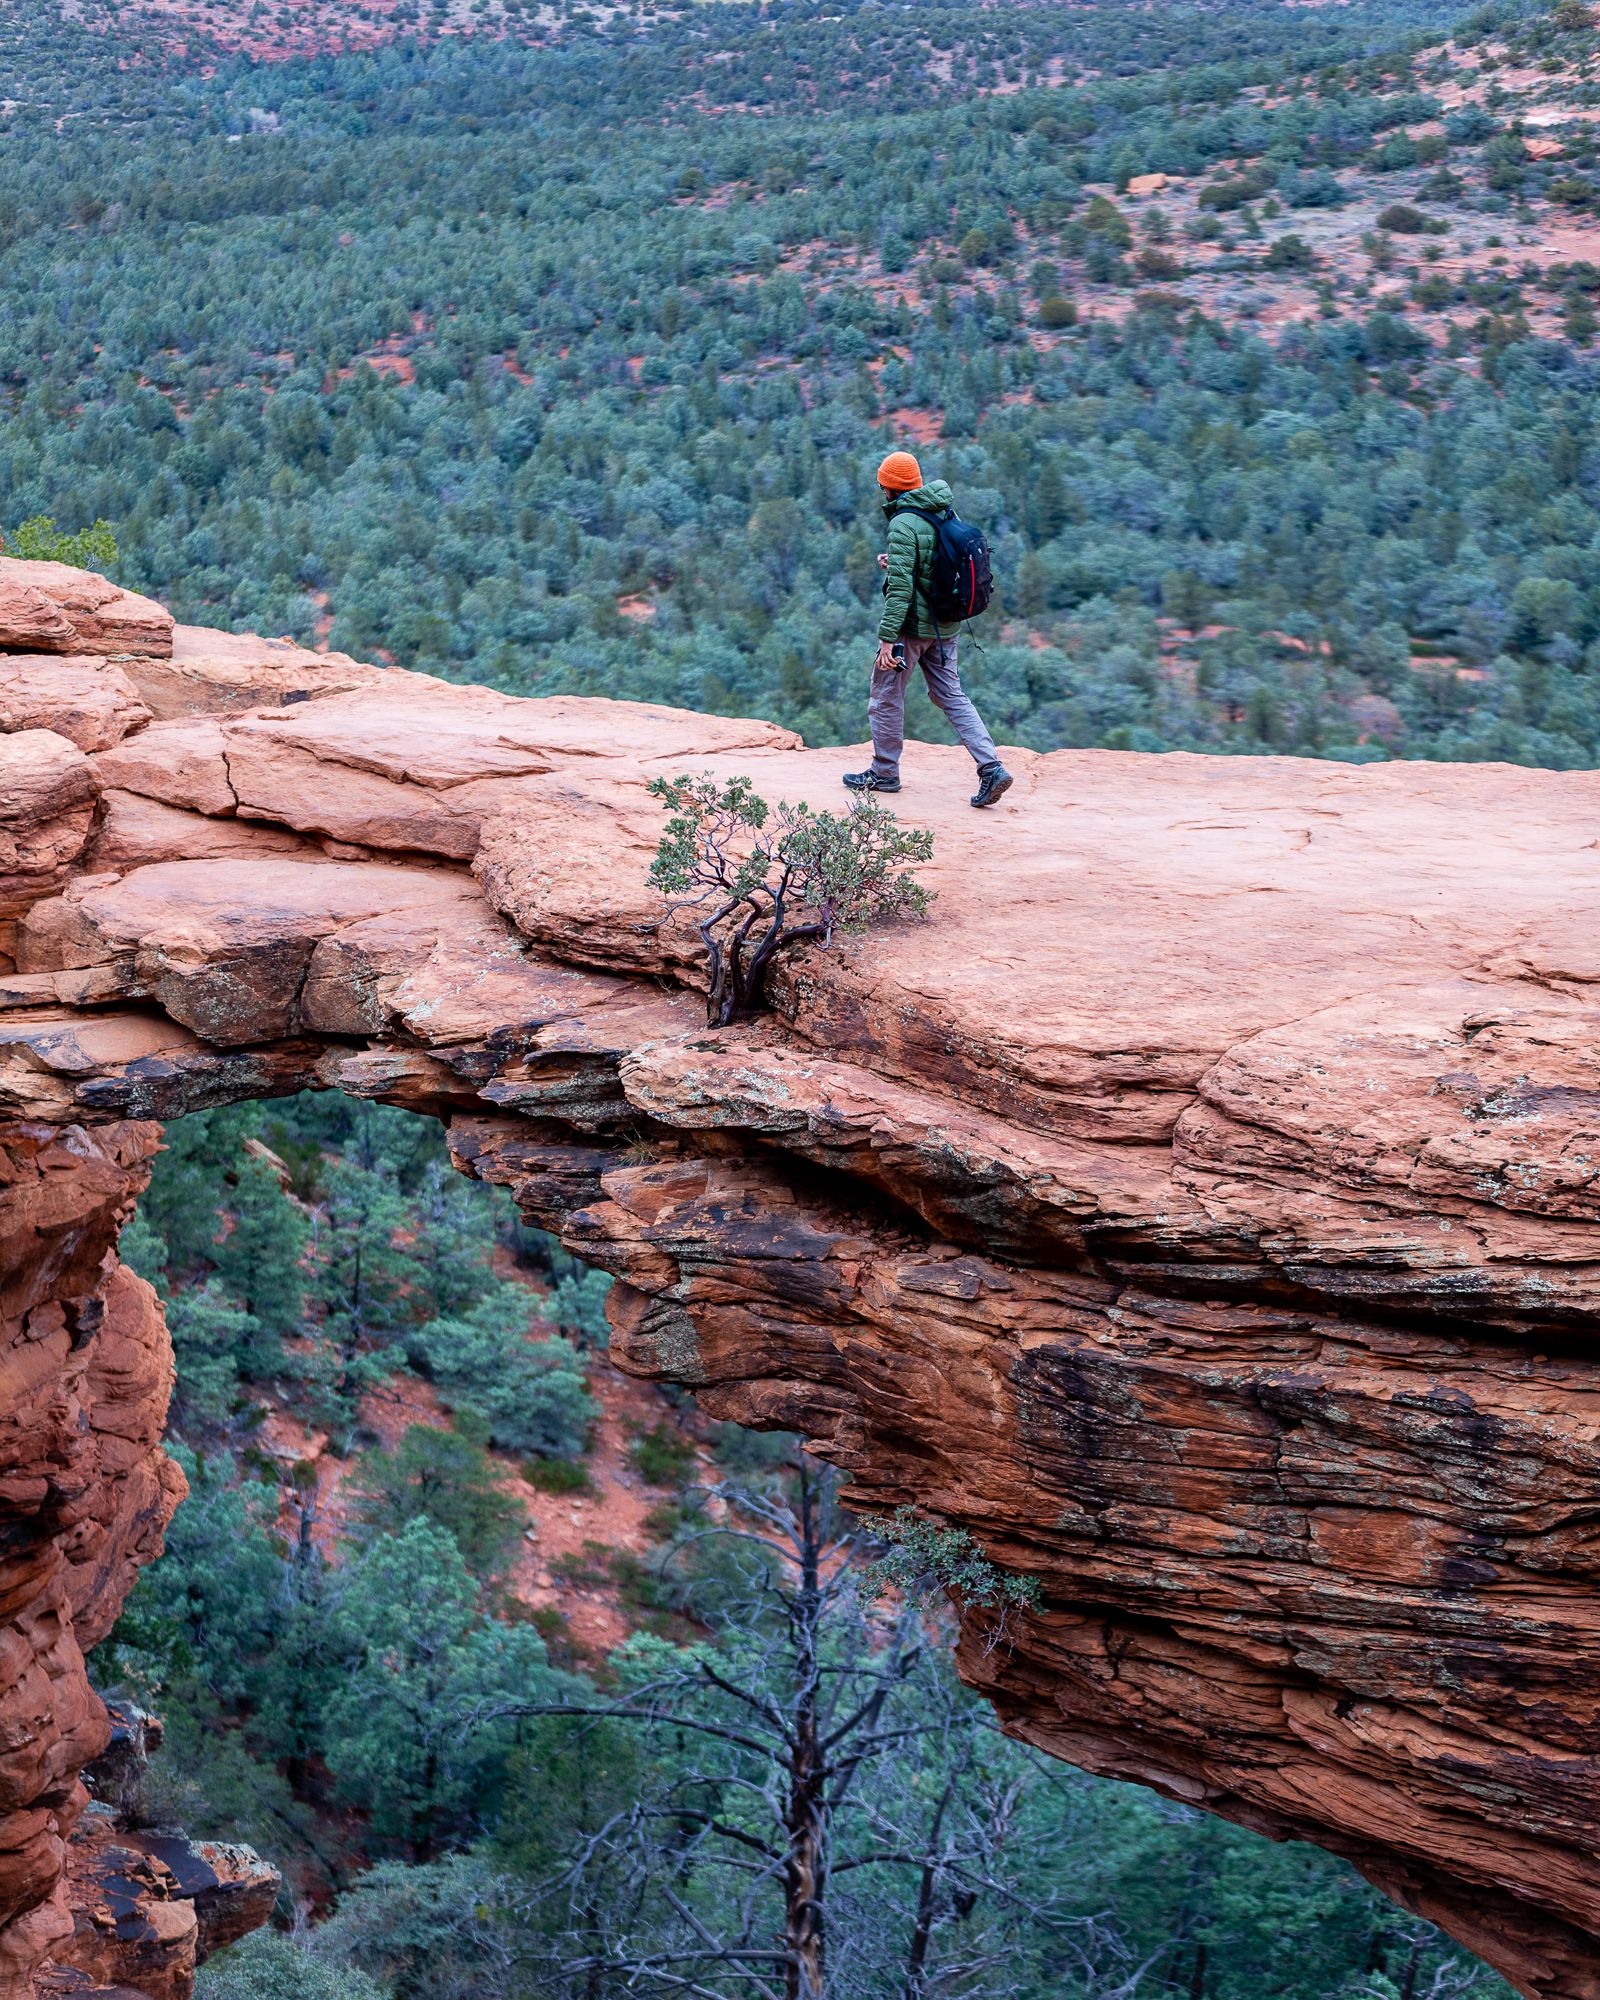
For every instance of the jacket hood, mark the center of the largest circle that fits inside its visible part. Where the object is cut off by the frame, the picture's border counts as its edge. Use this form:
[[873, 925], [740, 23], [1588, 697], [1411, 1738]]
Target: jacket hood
[[932, 498]]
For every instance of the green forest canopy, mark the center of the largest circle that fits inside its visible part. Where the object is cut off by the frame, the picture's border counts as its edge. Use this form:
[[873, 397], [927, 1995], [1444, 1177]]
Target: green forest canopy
[[646, 326]]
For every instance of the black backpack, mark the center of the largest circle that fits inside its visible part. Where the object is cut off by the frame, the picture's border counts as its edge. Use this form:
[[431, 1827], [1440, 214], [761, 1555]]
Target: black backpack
[[961, 584]]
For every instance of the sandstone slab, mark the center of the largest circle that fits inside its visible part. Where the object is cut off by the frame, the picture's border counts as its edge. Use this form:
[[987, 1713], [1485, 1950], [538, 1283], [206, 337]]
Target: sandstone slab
[[226, 673], [425, 768], [91, 702], [223, 946], [47, 794], [100, 615], [135, 832], [1100, 941], [179, 764], [30, 622]]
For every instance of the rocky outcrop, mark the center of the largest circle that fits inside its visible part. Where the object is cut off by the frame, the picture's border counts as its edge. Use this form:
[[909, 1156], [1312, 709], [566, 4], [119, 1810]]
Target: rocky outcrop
[[52, 607], [1199, 1210], [84, 1487], [149, 1907], [147, 1904]]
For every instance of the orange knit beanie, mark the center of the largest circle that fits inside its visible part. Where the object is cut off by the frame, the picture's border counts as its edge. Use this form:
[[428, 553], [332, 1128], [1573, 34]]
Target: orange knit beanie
[[900, 472]]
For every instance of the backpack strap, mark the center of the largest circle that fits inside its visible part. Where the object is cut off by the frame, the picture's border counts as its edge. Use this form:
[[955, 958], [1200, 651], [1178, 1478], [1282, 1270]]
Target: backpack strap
[[919, 581]]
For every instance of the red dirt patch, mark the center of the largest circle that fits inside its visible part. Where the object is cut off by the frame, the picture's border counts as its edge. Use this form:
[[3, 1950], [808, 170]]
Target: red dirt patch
[[916, 426]]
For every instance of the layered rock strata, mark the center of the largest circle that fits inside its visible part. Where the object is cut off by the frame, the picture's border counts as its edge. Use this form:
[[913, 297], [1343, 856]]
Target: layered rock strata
[[1199, 1210]]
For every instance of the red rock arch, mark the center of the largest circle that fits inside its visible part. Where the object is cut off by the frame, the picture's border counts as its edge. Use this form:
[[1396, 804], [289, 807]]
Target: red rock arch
[[1199, 1211]]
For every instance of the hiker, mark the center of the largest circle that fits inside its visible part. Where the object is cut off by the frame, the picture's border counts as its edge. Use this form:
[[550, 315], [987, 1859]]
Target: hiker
[[908, 637]]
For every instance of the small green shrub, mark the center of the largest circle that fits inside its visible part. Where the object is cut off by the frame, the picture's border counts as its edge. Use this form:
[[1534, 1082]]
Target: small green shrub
[[1233, 193], [1154, 263], [661, 1457], [267, 1966], [38, 540], [556, 1475], [923, 1557], [1290, 253], [753, 878], [1401, 219], [1057, 311], [588, 1569], [1104, 219]]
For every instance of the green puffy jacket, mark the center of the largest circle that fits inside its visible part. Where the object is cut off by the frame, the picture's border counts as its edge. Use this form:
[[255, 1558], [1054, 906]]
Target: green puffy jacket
[[907, 613]]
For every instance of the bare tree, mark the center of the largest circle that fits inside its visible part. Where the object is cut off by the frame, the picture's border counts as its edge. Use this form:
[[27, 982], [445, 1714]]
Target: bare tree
[[1449, 1979], [830, 1813]]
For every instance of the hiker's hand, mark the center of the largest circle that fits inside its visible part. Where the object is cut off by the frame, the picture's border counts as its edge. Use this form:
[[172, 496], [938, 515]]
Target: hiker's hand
[[883, 561], [885, 663]]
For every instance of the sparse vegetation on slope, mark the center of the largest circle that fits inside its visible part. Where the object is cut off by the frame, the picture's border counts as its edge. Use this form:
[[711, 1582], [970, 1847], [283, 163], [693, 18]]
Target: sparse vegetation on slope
[[415, 364]]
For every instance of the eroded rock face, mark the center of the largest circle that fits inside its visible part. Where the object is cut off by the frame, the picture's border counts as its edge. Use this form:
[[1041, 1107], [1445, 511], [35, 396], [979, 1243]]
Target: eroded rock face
[[1199, 1211], [86, 1371]]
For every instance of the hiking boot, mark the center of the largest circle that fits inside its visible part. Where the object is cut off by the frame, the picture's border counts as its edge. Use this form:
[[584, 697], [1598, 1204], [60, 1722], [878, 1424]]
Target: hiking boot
[[869, 781], [993, 779]]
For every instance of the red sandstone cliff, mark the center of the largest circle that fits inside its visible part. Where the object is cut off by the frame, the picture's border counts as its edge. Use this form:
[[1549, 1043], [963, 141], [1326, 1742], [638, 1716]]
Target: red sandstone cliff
[[1199, 1210]]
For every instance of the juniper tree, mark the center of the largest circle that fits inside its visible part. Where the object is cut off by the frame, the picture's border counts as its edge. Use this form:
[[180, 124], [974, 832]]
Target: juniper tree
[[754, 878]]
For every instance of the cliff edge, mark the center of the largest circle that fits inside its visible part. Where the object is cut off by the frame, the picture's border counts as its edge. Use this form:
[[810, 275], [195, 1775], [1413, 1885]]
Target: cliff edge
[[1199, 1210]]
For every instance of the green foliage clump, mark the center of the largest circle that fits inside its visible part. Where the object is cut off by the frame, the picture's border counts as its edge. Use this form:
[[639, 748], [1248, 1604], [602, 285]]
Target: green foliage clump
[[1231, 193], [215, 1344], [923, 1556], [258, 1262], [39, 540], [446, 1477], [204, 1613], [190, 1182], [662, 1456], [1401, 219], [387, 1255], [448, 1930], [532, 1395], [268, 1966], [1289, 253], [411, 1721], [224, 1247], [576, 1302], [1104, 219], [555, 1475], [751, 889]]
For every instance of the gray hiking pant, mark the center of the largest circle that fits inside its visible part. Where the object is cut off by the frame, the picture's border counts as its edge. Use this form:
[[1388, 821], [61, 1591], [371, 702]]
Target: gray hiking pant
[[886, 705]]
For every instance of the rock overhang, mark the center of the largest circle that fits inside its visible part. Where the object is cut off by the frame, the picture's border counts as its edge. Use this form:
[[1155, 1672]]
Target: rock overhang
[[1198, 1209]]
